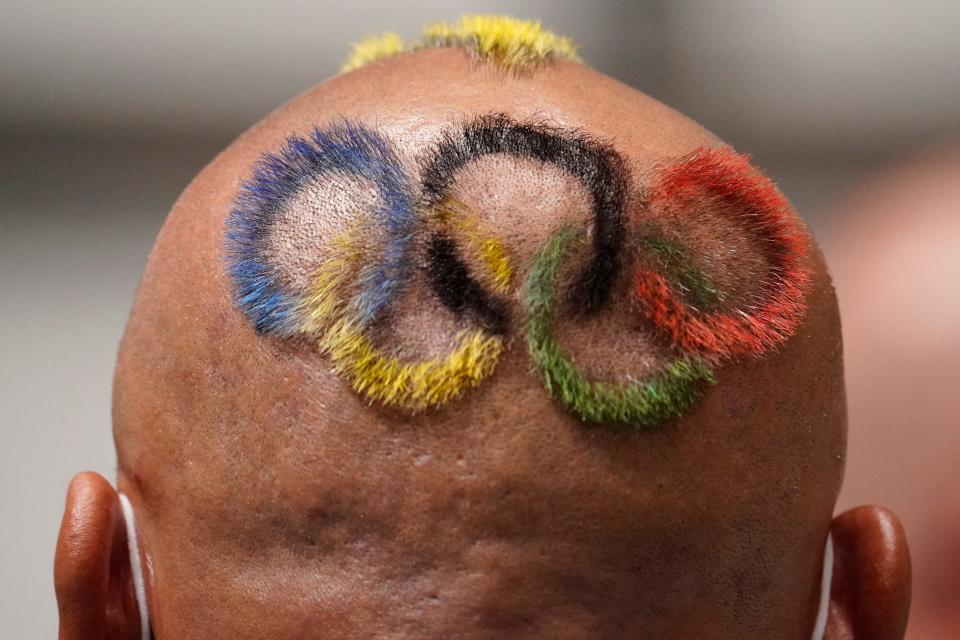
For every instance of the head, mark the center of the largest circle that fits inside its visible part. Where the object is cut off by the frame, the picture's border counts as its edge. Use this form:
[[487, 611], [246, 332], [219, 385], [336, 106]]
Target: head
[[473, 341]]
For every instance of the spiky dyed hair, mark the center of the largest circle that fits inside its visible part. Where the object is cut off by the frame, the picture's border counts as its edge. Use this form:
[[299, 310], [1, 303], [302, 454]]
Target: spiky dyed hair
[[715, 264], [509, 43]]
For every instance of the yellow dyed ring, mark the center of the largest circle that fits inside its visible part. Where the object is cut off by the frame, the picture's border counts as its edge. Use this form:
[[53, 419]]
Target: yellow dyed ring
[[378, 376]]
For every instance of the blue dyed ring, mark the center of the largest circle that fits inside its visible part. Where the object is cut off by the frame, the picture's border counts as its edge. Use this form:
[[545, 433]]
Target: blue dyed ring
[[346, 149]]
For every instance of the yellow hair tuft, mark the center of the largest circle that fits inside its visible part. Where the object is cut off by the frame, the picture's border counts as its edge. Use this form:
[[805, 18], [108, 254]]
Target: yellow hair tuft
[[371, 49], [508, 42]]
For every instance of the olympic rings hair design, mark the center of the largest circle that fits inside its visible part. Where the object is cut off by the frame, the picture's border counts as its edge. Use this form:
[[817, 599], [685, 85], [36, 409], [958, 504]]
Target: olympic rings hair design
[[361, 271]]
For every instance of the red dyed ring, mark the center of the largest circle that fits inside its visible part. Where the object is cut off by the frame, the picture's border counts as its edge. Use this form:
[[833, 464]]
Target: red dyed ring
[[720, 175]]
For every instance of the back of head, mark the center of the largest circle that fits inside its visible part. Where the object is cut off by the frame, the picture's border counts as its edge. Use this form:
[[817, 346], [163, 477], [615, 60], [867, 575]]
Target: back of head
[[475, 342]]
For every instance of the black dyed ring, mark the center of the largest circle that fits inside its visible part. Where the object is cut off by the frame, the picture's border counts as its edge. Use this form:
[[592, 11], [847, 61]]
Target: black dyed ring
[[596, 165]]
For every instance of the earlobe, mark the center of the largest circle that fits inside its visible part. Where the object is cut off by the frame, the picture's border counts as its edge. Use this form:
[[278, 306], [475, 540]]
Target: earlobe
[[92, 573], [870, 596]]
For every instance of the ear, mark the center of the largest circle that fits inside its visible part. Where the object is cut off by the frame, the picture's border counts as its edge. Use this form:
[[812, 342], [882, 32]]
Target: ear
[[92, 576], [870, 595]]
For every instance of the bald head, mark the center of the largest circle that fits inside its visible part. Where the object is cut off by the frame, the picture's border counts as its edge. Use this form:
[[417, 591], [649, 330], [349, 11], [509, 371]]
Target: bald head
[[443, 350]]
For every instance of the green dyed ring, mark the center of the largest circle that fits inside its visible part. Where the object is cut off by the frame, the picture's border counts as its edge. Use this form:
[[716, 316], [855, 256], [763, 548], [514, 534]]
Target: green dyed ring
[[643, 405]]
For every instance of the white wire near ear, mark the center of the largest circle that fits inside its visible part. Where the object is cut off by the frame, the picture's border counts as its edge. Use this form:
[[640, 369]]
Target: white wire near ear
[[136, 569], [826, 580]]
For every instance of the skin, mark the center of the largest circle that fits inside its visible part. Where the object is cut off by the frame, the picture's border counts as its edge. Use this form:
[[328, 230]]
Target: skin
[[274, 503]]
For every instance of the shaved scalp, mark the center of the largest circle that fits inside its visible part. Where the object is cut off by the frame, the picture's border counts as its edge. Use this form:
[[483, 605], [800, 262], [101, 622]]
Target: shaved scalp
[[439, 349]]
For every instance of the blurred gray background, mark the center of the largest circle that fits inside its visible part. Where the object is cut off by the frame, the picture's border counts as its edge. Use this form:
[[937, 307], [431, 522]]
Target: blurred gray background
[[107, 109]]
